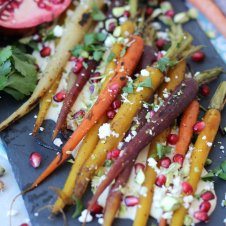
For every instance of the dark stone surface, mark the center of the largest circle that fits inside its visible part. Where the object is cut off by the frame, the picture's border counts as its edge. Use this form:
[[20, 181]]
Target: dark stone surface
[[19, 145]]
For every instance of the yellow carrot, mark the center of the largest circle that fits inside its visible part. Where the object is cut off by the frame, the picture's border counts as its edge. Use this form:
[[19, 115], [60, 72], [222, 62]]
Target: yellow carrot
[[120, 124], [202, 147]]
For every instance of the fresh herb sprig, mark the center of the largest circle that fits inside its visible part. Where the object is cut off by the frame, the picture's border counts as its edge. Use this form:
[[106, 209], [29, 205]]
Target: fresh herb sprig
[[18, 72], [92, 47]]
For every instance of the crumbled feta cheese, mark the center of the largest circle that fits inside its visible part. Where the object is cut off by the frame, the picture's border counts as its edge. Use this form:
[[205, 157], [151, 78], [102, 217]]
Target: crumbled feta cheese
[[85, 216], [209, 144], [221, 147], [58, 31], [187, 201], [167, 215], [145, 72], [143, 191], [152, 162], [134, 133], [139, 88], [167, 79], [100, 221], [41, 129], [204, 138], [114, 134], [117, 31], [104, 131], [58, 142], [128, 138], [140, 177], [110, 40]]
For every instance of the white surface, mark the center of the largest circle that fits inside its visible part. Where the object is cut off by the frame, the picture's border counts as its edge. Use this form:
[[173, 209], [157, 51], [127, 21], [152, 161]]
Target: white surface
[[6, 196]]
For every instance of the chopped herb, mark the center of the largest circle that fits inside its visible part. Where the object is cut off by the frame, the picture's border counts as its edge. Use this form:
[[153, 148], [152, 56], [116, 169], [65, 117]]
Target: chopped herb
[[162, 150], [71, 161], [28, 41], [97, 14], [110, 57], [18, 72], [146, 83], [128, 88], [218, 172], [85, 65], [78, 208], [97, 55], [108, 163], [164, 63]]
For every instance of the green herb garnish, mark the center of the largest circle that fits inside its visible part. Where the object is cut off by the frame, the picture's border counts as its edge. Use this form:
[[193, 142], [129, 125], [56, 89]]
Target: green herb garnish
[[18, 72], [146, 83], [110, 57], [162, 150], [164, 63], [128, 88], [78, 208], [96, 14]]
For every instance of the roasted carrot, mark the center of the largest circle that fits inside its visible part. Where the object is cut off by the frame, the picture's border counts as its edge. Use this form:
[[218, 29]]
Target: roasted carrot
[[213, 13], [125, 67], [203, 146], [44, 105], [188, 120], [82, 77], [169, 111]]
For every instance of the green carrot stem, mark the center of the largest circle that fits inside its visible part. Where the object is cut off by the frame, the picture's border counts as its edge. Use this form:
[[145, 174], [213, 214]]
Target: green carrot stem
[[133, 7], [219, 98], [208, 75]]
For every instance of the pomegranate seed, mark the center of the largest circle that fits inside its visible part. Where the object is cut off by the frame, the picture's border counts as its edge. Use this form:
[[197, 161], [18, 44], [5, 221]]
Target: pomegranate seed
[[131, 200], [160, 180], [95, 75], [139, 166], [78, 114], [172, 139], [160, 43], [187, 188], [114, 88], [201, 216], [115, 153], [199, 126], [78, 67], [73, 58], [111, 27], [149, 11], [116, 104], [165, 162], [111, 114], [208, 195], [126, 14], [45, 51], [178, 158], [205, 206], [35, 159], [24, 224], [198, 56], [96, 209], [60, 96], [205, 90], [170, 13]]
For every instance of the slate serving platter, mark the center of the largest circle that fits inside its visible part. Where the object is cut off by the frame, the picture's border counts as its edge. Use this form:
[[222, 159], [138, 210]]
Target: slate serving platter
[[19, 145]]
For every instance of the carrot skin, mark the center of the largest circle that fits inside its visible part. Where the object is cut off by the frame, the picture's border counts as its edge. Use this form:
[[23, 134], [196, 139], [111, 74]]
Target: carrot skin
[[72, 95], [163, 118], [128, 62], [188, 120]]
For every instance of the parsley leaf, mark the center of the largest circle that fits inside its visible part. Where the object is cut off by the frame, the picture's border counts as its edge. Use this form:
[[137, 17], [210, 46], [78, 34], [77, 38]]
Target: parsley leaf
[[97, 55], [18, 73], [79, 207], [162, 150], [146, 83], [97, 14], [164, 63], [128, 88]]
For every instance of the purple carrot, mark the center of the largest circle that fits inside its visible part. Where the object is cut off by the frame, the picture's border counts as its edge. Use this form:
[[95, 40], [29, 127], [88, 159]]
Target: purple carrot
[[82, 77], [163, 118]]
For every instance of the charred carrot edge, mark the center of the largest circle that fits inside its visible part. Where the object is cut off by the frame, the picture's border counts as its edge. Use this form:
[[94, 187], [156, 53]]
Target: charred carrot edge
[[125, 67], [188, 120]]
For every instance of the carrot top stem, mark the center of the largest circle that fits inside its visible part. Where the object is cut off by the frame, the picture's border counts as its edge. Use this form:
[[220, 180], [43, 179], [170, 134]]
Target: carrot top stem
[[219, 99], [208, 75], [133, 7]]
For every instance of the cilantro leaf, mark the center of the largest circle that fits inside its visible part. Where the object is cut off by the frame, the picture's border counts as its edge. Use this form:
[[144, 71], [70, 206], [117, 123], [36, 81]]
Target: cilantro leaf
[[223, 166], [128, 88], [96, 14], [18, 73], [164, 63], [208, 177], [97, 55], [5, 54], [90, 39], [162, 150], [146, 83]]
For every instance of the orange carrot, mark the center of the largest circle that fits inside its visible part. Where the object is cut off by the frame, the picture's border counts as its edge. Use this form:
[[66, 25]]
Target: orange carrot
[[162, 222], [188, 120], [125, 67], [213, 13]]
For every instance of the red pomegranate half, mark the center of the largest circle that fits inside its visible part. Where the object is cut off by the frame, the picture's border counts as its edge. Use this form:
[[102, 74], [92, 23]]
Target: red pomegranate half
[[23, 14]]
